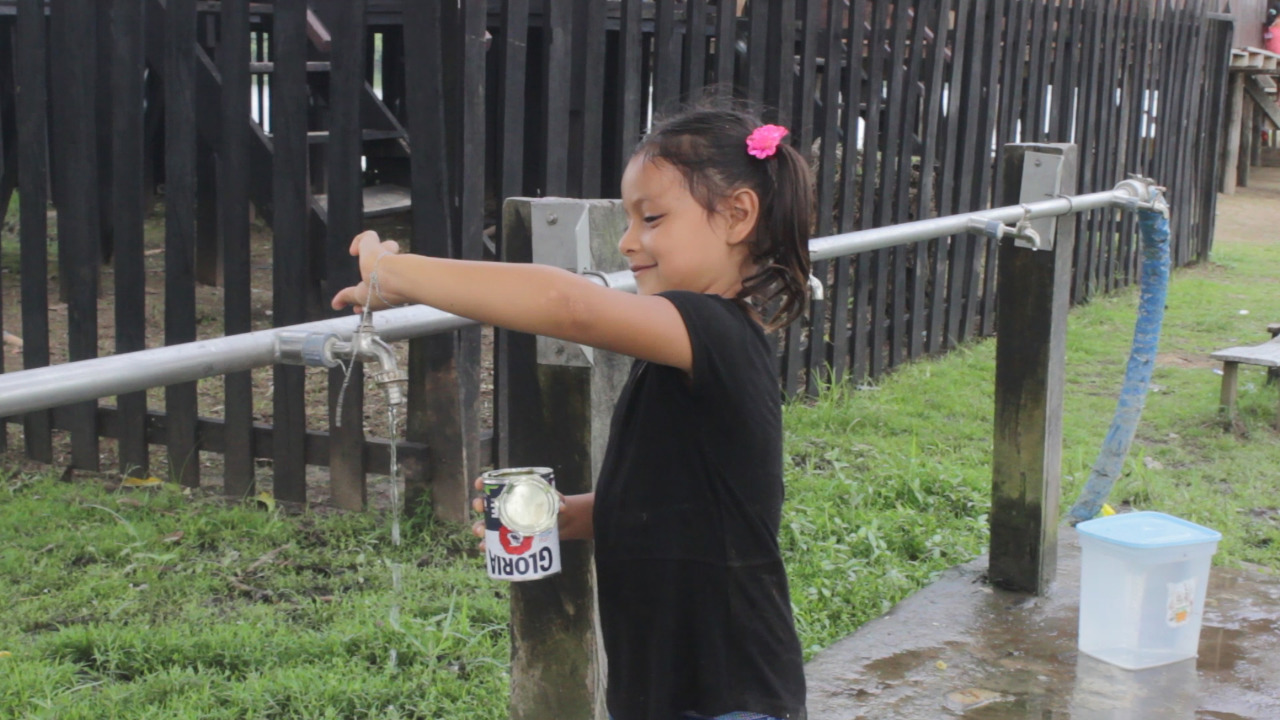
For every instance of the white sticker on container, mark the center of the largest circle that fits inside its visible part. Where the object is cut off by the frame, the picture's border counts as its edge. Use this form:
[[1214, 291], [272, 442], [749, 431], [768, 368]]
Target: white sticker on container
[[1182, 600]]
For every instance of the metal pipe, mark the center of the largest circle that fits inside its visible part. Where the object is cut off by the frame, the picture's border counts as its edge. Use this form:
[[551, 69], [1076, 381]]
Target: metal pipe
[[833, 246], [57, 385]]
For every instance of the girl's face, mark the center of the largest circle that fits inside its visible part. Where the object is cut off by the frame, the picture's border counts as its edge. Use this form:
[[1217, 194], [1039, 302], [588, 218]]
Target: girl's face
[[673, 243]]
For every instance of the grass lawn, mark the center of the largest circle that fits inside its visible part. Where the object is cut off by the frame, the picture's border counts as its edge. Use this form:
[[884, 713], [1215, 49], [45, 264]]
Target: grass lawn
[[154, 603]]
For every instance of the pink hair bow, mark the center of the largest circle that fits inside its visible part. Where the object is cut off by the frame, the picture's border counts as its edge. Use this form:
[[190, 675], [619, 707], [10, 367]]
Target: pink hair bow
[[763, 141]]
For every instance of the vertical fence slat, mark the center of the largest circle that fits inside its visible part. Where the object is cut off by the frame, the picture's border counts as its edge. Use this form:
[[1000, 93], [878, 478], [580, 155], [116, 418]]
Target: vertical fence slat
[[976, 153], [127, 126], [590, 107], [291, 251], [76, 197], [956, 245], [666, 57], [758, 24], [33, 145], [514, 37], [872, 197], [892, 206], [435, 411], [630, 38], [233, 221], [928, 305], [558, 39], [984, 279], [180, 238], [345, 216], [695, 48], [822, 338], [845, 346], [726, 42], [452, 494]]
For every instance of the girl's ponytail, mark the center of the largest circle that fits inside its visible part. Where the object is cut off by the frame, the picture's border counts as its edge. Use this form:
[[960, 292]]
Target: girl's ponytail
[[781, 248]]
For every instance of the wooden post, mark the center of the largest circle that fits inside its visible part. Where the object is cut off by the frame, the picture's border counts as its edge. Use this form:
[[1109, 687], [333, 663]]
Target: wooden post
[[561, 400], [1035, 289], [1235, 113], [1247, 141]]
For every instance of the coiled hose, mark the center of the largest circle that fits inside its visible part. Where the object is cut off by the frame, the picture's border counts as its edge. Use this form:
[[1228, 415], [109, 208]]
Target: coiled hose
[[1154, 228]]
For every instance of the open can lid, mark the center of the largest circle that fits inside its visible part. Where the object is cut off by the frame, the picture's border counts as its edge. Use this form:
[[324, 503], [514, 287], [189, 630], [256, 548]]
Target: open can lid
[[1147, 530], [528, 504]]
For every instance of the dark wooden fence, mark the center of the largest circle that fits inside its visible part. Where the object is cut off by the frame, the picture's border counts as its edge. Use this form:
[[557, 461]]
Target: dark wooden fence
[[902, 106]]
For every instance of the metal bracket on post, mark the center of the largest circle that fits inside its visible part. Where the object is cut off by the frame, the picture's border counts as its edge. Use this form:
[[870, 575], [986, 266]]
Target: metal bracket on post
[[1024, 233], [1041, 180], [562, 238]]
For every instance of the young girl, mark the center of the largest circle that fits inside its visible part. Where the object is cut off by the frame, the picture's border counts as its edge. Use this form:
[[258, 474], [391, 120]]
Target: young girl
[[693, 597]]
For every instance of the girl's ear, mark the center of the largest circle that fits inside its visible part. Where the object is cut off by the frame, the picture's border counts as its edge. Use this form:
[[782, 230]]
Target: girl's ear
[[743, 207]]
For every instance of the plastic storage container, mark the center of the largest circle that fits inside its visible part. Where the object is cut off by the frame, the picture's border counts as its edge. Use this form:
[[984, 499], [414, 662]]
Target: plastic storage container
[[1143, 577]]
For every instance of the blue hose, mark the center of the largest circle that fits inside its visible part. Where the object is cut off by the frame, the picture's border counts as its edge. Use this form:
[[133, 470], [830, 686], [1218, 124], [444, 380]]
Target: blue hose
[[1154, 227]]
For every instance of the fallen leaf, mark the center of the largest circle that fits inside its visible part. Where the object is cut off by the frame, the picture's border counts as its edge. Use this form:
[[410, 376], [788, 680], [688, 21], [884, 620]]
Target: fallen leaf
[[172, 537], [152, 481], [5, 654]]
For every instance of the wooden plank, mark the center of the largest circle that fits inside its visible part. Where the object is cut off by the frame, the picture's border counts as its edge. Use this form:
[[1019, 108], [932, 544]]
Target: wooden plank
[[666, 57], [233, 219], [127, 128], [74, 152], [845, 345], [559, 49], [929, 298], [588, 109], [211, 433], [954, 194], [872, 195], [984, 280], [694, 76], [511, 113], [1030, 376], [757, 39], [630, 109], [890, 262], [822, 337], [33, 237], [452, 494], [725, 43], [207, 251], [345, 209], [780, 49], [291, 254], [1033, 120], [435, 398], [973, 160]]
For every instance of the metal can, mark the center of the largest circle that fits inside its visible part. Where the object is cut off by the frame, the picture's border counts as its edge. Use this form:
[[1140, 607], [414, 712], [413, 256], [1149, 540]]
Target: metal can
[[521, 535]]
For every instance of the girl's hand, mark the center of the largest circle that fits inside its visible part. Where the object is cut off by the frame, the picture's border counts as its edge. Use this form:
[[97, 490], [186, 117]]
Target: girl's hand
[[370, 249]]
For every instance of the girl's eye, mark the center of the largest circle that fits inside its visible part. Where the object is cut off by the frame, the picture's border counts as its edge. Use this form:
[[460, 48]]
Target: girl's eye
[[650, 219]]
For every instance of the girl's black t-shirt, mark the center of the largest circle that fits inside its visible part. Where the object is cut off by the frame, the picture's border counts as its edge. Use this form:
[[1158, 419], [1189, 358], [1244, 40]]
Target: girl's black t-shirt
[[694, 605]]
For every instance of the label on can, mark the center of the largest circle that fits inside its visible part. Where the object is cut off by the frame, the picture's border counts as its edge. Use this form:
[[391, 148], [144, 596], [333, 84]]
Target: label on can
[[509, 553]]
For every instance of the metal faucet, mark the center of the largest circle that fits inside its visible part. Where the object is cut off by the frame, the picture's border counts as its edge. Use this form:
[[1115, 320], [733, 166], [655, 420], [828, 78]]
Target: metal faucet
[[329, 350]]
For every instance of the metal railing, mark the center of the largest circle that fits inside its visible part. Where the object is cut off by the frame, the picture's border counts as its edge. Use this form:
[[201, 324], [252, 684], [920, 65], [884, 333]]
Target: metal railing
[[56, 385]]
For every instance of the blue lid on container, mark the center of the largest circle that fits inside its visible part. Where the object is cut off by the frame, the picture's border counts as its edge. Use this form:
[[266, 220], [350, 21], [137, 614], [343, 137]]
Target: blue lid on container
[[1147, 530]]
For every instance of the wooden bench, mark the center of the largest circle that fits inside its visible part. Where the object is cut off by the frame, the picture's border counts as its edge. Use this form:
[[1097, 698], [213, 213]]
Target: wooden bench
[[1266, 355]]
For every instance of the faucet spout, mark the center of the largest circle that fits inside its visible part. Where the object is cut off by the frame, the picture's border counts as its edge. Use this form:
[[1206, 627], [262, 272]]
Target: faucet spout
[[380, 359]]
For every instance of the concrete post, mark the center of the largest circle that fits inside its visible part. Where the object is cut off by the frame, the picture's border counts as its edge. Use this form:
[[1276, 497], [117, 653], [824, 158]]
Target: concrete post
[[1035, 289], [560, 398]]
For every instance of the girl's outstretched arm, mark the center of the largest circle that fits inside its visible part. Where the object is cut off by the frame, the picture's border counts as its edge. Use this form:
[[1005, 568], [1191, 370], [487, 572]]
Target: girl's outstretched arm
[[536, 299]]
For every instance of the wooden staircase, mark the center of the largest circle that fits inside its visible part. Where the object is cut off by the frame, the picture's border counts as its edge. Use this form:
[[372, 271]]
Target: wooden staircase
[[385, 140]]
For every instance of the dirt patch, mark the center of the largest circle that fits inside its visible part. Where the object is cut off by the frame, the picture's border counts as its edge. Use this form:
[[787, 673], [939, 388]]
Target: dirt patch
[[1183, 360]]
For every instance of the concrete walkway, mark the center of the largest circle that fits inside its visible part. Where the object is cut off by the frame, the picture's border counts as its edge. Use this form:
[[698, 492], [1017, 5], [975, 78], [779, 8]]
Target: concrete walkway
[[960, 649]]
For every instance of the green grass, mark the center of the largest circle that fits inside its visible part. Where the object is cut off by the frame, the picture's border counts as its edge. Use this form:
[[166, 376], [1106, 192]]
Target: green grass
[[110, 613]]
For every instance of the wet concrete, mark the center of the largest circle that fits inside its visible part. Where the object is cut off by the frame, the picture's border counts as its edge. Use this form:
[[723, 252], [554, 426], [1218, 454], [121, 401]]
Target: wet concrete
[[961, 649]]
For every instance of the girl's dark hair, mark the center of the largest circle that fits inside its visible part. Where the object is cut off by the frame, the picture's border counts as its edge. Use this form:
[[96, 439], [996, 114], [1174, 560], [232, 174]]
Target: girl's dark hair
[[708, 145]]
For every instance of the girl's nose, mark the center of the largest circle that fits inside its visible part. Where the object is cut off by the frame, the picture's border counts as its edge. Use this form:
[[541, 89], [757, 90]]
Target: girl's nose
[[626, 243]]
